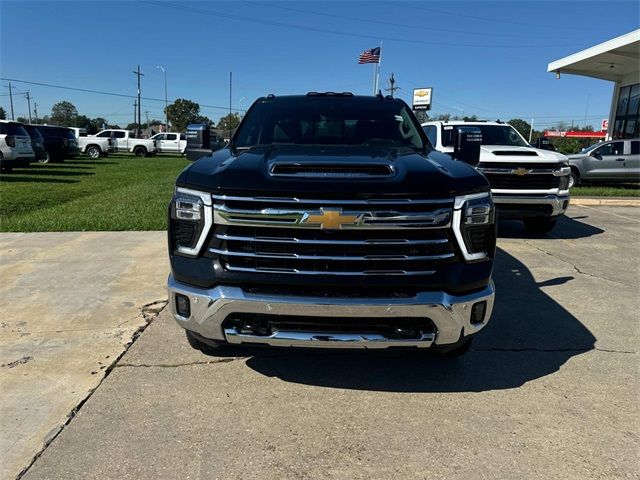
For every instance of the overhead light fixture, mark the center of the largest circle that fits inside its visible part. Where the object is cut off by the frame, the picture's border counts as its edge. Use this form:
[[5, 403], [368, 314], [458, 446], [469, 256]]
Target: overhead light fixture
[[557, 74]]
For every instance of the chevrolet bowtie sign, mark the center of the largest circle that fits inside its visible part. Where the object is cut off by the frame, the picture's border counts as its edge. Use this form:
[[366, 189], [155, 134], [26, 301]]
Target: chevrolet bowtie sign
[[330, 218], [422, 98]]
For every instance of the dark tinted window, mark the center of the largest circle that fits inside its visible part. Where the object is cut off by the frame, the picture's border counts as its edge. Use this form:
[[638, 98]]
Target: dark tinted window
[[120, 134], [504, 135], [172, 136], [33, 131], [432, 134], [613, 148], [11, 128], [635, 148], [329, 121], [183, 136], [57, 132], [104, 134]]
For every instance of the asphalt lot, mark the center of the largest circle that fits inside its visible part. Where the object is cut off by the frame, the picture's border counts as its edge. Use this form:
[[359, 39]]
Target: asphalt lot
[[549, 390]]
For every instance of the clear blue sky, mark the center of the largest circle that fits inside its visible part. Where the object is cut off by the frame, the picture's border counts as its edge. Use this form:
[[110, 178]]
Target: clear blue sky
[[483, 58]]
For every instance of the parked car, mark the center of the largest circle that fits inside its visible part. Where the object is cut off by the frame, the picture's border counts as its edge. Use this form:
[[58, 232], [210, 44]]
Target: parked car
[[15, 146], [37, 142], [613, 161], [170, 142], [124, 141], [59, 143], [527, 183], [95, 147], [330, 221]]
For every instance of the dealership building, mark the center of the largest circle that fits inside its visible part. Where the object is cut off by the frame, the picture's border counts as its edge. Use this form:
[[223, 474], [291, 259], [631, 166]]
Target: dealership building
[[617, 60]]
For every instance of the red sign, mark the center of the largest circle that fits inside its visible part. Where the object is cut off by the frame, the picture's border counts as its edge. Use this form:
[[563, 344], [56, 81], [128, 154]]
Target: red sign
[[572, 134], [605, 125]]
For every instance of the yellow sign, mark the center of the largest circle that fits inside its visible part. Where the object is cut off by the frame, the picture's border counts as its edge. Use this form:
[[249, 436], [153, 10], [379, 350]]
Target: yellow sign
[[331, 219]]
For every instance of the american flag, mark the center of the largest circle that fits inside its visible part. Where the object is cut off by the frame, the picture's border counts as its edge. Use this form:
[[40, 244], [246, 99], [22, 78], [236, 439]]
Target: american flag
[[370, 56]]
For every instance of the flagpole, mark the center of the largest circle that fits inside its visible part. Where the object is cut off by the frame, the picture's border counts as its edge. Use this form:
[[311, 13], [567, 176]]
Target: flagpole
[[375, 68], [378, 71]]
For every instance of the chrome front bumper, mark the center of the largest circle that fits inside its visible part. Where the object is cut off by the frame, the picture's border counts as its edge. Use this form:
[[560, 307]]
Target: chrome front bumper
[[558, 203], [451, 315]]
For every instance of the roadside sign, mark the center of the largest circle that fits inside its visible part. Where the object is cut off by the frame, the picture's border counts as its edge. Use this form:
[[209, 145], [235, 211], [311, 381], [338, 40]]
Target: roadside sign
[[422, 98], [605, 125]]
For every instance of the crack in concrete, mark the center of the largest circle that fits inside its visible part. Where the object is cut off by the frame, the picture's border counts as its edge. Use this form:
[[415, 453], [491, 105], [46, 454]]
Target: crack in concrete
[[551, 350], [177, 365], [575, 267], [149, 315]]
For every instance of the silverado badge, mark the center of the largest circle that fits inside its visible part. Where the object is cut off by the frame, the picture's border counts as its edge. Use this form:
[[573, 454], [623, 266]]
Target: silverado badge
[[330, 218]]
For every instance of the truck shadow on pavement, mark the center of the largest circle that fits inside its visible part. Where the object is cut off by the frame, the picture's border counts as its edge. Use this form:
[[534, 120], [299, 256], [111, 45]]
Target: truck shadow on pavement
[[567, 228], [530, 336]]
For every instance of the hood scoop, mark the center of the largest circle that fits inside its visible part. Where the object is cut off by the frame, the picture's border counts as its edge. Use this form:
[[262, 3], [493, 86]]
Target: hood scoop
[[515, 153], [331, 170]]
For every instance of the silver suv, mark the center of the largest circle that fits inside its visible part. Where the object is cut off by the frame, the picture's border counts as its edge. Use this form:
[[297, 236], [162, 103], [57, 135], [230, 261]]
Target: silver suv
[[15, 146], [613, 161]]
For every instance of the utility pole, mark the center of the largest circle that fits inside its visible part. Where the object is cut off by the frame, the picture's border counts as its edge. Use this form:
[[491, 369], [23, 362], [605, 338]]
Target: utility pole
[[166, 103], [139, 116], [11, 100], [146, 113], [28, 104], [531, 130], [230, 88], [35, 110], [392, 88], [135, 107]]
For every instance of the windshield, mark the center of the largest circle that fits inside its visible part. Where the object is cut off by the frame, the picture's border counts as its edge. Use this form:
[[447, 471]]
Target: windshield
[[329, 121], [491, 135], [590, 147]]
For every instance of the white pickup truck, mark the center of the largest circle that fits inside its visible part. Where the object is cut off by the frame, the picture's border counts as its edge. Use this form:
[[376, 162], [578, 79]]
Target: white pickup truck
[[125, 142], [527, 183], [95, 147], [170, 142]]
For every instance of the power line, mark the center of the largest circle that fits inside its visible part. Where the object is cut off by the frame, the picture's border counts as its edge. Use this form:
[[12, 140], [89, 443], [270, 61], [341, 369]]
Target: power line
[[392, 24], [415, 5], [113, 94], [378, 38]]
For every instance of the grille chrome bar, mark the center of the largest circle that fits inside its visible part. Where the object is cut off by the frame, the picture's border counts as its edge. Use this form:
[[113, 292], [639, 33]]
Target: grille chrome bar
[[293, 240], [276, 217], [371, 201], [296, 256], [295, 271]]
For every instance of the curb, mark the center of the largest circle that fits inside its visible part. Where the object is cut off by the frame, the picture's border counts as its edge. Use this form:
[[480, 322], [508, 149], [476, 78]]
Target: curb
[[604, 201]]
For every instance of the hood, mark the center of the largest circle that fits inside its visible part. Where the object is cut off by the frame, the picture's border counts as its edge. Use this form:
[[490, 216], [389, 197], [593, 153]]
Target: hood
[[276, 170], [508, 154]]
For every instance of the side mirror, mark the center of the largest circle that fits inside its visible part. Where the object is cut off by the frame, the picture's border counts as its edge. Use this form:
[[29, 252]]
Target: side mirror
[[467, 145], [595, 155]]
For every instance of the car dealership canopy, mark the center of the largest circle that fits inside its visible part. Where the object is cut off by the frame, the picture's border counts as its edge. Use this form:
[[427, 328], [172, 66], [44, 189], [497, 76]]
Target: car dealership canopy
[[616, 60]]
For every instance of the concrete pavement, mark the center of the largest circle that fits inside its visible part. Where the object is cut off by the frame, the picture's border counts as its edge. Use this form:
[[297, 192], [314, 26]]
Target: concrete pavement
[[548, 391], [69, 303]]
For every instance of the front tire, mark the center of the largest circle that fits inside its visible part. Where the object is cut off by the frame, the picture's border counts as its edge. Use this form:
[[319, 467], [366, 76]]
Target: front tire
[[46, 158], [94, 151], [140, 152], [540, 225], [574, 179]]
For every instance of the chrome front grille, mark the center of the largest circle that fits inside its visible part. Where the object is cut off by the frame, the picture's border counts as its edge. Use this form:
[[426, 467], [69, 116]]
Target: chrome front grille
[[358, 237], [523, 176]]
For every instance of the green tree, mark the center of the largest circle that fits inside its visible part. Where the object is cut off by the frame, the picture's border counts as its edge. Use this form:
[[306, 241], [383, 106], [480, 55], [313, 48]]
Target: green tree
[[229, 122], [3, 114], [22, 120], [181, 113], [521, 126], [64, 114]]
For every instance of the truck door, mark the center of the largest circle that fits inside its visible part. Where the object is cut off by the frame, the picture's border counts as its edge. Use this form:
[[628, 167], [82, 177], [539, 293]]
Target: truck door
[[632, 162], [159, 139], [120, 139], [607, 162], [170, 144]]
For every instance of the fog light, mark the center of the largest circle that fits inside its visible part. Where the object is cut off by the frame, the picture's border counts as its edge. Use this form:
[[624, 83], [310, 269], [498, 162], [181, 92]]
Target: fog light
[[477, 312], [182, 305]]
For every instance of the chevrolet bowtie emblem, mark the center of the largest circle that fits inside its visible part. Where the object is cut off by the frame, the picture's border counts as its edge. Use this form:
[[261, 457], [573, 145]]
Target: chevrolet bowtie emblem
[[331, 218], [521, 171]]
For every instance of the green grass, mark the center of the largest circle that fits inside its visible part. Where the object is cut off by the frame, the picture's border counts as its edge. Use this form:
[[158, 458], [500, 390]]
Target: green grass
[[595, 190], [120, 192]]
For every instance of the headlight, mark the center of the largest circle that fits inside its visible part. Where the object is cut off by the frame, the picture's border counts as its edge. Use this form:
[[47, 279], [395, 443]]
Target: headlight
[[474, 225], [190, 221]]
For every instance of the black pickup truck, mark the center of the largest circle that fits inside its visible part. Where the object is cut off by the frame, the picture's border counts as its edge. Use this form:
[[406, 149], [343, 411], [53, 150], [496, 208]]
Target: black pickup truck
[[330, 221]]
